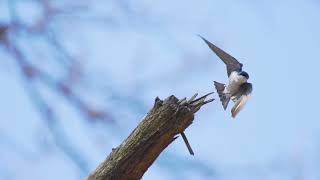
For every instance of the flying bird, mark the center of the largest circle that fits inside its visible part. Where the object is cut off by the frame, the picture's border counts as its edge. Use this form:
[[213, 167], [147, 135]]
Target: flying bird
[[237, 89]]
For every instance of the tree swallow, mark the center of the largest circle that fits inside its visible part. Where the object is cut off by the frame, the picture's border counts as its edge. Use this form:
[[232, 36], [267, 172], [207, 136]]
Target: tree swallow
[[238, 89]]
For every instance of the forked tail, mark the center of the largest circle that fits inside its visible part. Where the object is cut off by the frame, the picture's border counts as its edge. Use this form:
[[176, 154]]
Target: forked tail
[[224, 98]]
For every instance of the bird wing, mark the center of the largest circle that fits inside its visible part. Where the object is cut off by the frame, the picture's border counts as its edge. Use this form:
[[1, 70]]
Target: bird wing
[[231, 62], [241, 98]]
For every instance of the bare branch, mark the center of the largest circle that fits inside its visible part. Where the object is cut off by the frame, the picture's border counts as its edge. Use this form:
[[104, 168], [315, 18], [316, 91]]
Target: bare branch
[[158, 129]]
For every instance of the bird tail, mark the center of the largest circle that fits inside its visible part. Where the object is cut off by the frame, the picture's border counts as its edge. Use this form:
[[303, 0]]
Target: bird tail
[[224, 98]]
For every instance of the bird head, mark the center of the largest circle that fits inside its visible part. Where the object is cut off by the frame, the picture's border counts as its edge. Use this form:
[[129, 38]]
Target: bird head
[[244, 74]]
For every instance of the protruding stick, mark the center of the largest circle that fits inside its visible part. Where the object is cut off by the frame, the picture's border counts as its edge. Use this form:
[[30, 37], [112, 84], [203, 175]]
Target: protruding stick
[[202, 97], [187, 143]]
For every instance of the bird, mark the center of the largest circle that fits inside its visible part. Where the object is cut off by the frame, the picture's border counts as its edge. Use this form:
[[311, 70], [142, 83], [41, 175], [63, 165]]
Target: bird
[[238, 89]]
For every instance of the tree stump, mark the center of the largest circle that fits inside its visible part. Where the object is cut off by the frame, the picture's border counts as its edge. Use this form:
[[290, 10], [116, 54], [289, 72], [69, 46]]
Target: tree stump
[[160, 127]]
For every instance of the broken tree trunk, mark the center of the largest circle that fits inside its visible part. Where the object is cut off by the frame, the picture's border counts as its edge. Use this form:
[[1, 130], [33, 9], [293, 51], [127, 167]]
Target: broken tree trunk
[[160, 127]]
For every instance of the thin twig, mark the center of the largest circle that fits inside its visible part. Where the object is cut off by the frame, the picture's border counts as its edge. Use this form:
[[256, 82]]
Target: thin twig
[[202, 97], [187, 143]]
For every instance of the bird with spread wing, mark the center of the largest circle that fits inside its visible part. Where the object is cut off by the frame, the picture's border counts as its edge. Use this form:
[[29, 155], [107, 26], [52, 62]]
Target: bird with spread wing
[[237, 89]]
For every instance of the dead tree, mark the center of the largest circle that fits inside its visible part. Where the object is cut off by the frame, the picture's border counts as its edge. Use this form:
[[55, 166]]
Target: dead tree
[[159, 128]]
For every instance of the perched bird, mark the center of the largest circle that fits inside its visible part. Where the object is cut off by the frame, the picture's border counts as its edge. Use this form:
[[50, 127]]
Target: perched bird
[[237, 89]]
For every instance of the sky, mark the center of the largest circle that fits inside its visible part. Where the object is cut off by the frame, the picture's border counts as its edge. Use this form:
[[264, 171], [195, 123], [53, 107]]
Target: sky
[[151, 48]]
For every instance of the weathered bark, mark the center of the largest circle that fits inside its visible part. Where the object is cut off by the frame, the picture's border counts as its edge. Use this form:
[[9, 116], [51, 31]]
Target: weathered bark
[[160, 127]]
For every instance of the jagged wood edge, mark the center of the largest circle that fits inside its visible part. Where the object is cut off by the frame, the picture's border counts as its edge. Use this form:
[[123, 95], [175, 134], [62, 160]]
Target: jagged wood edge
[[159, 128]]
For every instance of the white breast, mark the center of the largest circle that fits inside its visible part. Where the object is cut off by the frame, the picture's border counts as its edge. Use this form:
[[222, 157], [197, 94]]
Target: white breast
[[235, 81], [236, 78]]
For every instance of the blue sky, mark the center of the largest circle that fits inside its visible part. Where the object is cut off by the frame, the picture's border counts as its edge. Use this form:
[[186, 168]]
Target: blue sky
[[151, 48]]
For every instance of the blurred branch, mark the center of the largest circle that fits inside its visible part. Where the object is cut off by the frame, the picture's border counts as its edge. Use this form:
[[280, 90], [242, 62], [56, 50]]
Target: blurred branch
[[10, 34], [158, 129], [29, 74], [57, 132]]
